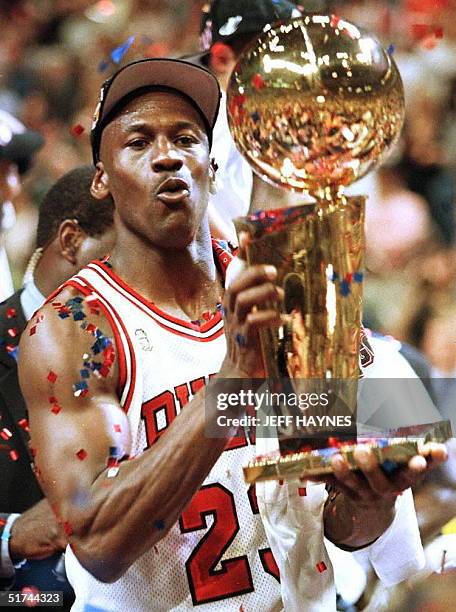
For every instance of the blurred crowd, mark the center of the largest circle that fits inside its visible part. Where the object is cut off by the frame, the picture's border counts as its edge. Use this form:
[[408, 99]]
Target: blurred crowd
[[54, 55]]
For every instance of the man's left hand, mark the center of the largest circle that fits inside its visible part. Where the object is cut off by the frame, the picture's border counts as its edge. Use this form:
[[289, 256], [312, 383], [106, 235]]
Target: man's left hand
[[361, 503]]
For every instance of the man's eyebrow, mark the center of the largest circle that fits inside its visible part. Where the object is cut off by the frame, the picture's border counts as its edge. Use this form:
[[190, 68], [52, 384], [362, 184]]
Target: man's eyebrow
[[146, 128]]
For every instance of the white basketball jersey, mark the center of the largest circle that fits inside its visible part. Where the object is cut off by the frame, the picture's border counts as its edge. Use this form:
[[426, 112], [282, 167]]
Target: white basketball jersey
[[216, 557]]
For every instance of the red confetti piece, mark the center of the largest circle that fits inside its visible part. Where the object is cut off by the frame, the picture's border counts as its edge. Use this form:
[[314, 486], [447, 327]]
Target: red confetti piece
[[321, 567], [91, 328], [117, 428], [77, 130], [2, 522], [14, 455], [6, 434], [53, 399], [52, 377], [10, 313], [10, 348], [302, 491], [81, 454], [67, 528], [334, 21], [56, 409], [112, 462], [24, 424], [13, 332], [32, 331], [281, 482], [258, 81]]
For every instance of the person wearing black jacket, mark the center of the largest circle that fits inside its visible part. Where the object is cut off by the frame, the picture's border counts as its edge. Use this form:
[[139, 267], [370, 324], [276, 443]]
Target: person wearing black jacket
[[73, 229]]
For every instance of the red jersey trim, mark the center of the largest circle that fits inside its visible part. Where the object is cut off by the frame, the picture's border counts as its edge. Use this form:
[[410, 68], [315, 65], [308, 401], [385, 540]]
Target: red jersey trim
[[116, 280], [161, 318]]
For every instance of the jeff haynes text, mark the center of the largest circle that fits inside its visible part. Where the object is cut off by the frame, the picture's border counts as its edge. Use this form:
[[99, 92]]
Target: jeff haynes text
[[284, 420]]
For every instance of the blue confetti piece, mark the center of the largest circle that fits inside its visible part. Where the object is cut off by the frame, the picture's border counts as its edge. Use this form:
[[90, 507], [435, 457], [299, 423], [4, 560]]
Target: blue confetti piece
[[344, 288], [85, 374], [358, 277], [78, 315], [114, 451], [64, 315], [389, 466], [103, 65], [160, 525], [391, 49], [118, 53], [255, 116], [81, 385], [98, 333], [334, 277], [14, 353]]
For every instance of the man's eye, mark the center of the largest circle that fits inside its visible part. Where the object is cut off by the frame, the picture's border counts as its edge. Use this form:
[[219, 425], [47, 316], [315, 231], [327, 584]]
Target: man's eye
[[138, 143], [186, 140]]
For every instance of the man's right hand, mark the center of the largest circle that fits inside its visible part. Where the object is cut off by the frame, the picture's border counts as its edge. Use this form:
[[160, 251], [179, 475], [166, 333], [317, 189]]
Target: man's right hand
[[250, 304], [36, 534]]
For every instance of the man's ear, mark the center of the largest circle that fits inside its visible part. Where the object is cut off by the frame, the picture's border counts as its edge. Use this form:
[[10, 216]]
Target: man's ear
[[100, 183], [70, 237]]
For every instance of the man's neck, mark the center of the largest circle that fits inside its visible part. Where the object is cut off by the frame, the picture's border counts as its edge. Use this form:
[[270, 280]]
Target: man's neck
[[184, 282]]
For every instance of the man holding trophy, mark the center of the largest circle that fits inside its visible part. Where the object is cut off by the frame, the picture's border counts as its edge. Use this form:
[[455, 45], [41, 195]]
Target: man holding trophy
[[174, 527]]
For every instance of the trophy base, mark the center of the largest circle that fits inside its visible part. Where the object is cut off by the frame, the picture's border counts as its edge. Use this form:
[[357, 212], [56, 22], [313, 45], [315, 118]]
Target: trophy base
[[393, 449]]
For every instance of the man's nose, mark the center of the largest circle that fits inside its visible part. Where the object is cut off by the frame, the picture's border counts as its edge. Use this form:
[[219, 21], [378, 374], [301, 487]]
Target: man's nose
[[165, 157]]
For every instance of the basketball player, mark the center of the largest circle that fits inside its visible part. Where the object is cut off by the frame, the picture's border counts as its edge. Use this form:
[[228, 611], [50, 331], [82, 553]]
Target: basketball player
[[126, 348]]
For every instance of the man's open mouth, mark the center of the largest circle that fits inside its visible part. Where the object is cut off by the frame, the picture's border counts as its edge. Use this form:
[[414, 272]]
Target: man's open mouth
[[173, 191]]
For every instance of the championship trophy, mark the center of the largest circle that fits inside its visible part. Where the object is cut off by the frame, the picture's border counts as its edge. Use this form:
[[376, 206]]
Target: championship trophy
[[313, 105]]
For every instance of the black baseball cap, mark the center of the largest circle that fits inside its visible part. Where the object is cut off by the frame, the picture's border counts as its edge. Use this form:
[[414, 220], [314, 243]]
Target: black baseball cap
[[18, 144], [222, 20], [194, 82]]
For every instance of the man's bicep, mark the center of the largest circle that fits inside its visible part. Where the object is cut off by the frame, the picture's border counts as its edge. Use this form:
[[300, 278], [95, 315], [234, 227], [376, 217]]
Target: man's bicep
[[68, 374]]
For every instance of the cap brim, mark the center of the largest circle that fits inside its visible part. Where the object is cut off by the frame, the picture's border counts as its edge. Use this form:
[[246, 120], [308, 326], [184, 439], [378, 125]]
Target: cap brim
[[189, 78]]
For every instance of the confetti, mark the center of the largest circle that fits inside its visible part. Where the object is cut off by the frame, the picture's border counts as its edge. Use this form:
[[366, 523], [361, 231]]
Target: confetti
[[24, 424], [13, 332], [302, 491], [6, 434], [119, 52], [67, 528], [103, 65], [321, 567], [81, 454], [77, 130], [160, 524], [117, 428], [112, 472], [52, 377], [391, 49], [32, 331], [334, 23], [14, 455], [10, 313], [56, 409]]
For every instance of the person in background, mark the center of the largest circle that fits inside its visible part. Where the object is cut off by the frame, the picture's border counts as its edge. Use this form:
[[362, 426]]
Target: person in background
[[73, 229], [17, 147], [227, 27]]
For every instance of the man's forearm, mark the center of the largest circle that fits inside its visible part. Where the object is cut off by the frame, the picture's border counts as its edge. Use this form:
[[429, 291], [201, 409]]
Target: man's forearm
[[130, 513], [351, 525]]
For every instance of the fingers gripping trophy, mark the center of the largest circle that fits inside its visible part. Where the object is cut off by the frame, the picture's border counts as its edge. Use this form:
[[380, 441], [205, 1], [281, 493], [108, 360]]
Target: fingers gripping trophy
[[313, 105]]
